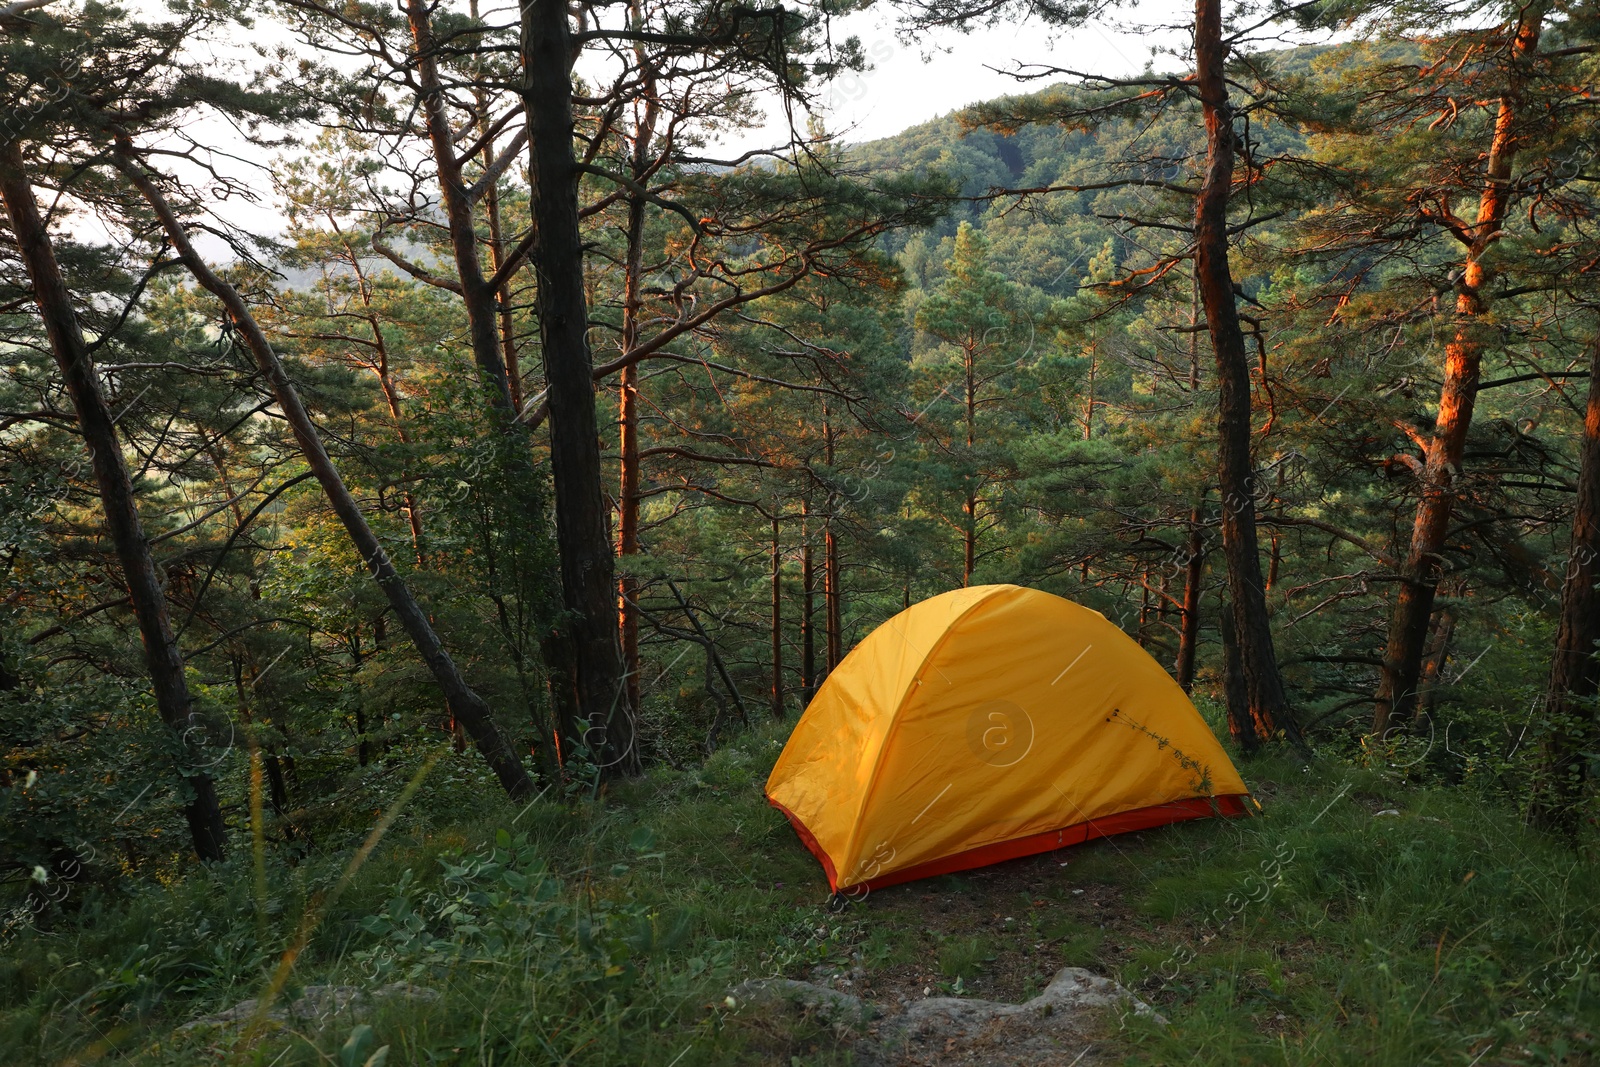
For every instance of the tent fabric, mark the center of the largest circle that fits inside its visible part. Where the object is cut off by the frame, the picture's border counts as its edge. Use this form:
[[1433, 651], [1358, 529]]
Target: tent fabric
[[988, 723]]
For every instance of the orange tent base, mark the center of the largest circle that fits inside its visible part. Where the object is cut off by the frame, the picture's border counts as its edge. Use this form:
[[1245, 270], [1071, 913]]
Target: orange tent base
[[1229, 806]]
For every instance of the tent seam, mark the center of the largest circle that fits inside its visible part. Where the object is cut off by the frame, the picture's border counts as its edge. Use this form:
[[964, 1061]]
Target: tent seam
[[894, 717]]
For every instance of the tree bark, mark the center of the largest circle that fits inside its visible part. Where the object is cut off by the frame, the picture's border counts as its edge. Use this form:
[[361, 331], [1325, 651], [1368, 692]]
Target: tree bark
[[1574, 669], [1444, 625], [830, 596], [628, 402], [969, 506], [1267, 705], [502, 296], [1423, 566], [477, 296], [163, 659], [583, 539], [465, 705], [1241, 725], [1189, 623], [808, 626], [777, 622], [1088, 404]]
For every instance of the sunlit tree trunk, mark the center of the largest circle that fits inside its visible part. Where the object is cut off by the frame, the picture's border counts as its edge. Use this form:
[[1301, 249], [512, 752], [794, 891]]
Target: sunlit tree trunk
[[969, 506], [1144, 609], [163, 659], [1423, 565], [1088, 401], [628, 401]]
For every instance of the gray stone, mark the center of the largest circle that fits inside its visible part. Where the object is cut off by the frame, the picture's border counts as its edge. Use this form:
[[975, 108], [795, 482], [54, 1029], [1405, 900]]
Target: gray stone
[[1046, 1031], [315, 1003]]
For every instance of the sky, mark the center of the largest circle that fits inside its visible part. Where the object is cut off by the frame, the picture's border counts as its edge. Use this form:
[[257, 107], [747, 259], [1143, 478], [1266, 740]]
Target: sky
[[912, 83], [908, 82]]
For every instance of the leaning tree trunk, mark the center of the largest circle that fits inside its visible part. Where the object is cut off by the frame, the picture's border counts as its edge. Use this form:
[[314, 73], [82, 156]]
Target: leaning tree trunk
[[163, 659], [1423, 566], [467, 707], [582, 534], [1263, 689], [1575, 669]]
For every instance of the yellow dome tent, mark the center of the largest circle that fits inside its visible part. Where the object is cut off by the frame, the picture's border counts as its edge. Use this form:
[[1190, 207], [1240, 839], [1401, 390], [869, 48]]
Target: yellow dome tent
[[989, 723]]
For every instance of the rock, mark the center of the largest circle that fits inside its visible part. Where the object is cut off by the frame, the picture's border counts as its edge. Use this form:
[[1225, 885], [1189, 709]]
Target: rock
[[843, 1011], [316, 1003], [1047, 1030]]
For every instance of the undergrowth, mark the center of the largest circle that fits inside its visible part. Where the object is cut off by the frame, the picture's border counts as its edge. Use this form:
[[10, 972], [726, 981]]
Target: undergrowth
[[1361, 919]]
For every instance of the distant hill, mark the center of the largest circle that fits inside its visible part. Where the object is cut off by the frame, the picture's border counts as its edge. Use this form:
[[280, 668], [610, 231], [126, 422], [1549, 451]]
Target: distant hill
[[1047, 242]]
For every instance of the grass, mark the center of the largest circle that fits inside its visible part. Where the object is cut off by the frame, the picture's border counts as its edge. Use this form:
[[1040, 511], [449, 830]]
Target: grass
[[611, 932]]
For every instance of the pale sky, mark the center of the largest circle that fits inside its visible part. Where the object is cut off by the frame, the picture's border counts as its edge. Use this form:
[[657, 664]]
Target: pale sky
[[909, 83], [914, 83]]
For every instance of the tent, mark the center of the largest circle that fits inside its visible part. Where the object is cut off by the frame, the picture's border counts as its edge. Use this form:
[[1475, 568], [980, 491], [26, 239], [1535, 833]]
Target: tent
[[988, 723]]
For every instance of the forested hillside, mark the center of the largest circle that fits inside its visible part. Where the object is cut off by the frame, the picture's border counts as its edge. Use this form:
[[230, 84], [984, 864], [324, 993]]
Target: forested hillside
[[401, 608]]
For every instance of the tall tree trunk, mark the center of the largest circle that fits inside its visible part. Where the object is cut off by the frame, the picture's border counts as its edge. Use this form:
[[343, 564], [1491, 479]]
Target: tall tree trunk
[[1241, 725], [777, 621], [583, 540], [1574, 668], [497, 253], [1143, 636], [9, 678], [477, 295], [356, 660], [628, 528], [1444, 625], [1267, 704], [502, 296], [628, 400], [163, 659], [969, 507], [1189, 624], [831, 596], [1424, 562], [808, 627], [1088, 403], [1274, 556], [465, 705]]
